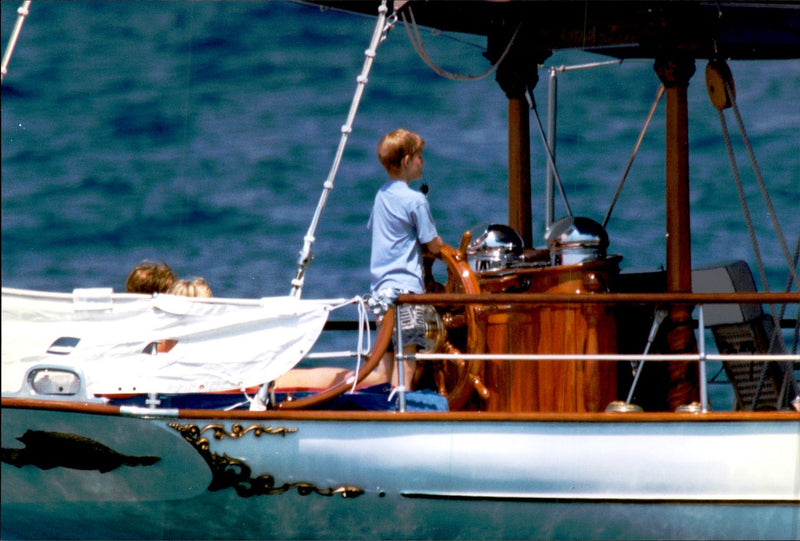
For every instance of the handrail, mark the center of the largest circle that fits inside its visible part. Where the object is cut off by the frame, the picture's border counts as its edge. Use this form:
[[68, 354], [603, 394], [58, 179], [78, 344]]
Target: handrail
[[608, 298], [353, 325], [666, 357]]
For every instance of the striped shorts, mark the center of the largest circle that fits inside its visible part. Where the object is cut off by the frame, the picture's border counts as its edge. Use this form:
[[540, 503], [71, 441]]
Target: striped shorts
[[412, 316]]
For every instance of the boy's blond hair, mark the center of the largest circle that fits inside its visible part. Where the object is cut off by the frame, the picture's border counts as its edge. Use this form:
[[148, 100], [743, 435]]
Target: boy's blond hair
[[395, 146], [191, 288]]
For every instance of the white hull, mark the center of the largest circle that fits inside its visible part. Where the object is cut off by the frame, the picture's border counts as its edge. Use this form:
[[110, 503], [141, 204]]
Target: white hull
[[372, 476]]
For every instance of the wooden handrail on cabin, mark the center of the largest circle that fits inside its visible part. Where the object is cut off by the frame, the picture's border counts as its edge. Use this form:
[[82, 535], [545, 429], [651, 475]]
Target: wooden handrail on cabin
[[607, 298]]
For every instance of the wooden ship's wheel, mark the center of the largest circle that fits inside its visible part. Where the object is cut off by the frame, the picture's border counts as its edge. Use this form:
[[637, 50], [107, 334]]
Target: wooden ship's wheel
[[450, 330], [454, 330]]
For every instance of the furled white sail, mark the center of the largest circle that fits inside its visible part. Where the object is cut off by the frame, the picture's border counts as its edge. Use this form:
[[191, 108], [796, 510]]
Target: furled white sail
[[219, 344]]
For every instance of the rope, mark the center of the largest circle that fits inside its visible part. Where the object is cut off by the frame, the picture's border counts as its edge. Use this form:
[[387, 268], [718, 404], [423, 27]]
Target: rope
[[363, 329], [400, 389], [416, 41], [659, 94], [382, 27], [774, 313], [22, 12], [748, 220], [762, 186], [742, 199]]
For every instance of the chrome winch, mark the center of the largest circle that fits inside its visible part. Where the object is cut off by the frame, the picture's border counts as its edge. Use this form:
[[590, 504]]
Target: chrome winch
[[497, 248], [576, 240]]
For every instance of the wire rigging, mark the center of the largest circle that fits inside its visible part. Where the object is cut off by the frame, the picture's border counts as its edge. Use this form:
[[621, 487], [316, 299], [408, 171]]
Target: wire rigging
[[634, 153]]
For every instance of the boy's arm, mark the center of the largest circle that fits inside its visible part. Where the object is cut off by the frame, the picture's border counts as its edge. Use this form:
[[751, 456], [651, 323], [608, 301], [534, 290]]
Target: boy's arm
[[434, 246]]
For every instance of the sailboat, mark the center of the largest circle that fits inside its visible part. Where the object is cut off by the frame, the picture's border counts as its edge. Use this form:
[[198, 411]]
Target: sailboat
[[559, 398]]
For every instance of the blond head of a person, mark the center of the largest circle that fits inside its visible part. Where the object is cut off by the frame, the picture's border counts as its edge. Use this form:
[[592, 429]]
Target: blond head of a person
[[190, 288]]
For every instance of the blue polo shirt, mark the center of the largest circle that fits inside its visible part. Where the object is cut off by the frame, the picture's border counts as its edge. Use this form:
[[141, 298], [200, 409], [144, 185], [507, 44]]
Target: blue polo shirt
[[400, 223]]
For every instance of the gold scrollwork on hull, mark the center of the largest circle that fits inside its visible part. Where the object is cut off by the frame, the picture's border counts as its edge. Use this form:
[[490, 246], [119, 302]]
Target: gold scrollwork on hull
[[237, 430], [229, 472], [192, 433]]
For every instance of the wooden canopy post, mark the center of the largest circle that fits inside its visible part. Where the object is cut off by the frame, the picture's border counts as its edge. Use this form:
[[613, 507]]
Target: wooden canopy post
[[675, 72], [517, 74], [675, 75], [512, 78], [519, 169]]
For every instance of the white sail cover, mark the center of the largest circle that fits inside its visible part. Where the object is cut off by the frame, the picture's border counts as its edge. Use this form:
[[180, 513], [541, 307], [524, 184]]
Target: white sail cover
[[222, 344]]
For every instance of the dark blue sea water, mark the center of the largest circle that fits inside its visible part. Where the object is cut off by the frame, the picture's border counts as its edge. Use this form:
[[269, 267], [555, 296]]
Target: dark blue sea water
[[200, 133]]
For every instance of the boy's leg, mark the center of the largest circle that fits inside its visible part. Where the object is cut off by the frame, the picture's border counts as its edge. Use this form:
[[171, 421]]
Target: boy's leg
[[412, 322], [386, 371], [383, 372], [408, 368]]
